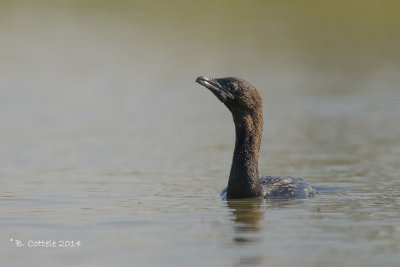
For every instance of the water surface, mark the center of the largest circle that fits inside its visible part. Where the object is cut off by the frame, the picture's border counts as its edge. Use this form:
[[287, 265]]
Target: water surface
[[106, 139]]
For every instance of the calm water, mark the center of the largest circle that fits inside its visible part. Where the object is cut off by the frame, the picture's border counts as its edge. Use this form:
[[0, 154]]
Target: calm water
[[106, 139]]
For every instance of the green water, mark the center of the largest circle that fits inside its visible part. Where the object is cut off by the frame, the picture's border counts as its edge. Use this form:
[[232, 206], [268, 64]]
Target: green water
[[106, 139]]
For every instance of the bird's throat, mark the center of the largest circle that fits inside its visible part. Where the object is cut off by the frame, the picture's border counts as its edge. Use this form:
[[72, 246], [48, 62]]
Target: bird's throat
[[244, 181]]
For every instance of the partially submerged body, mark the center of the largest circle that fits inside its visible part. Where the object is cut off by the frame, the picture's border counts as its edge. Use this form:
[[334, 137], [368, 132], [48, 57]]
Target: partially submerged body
[[283, 187]]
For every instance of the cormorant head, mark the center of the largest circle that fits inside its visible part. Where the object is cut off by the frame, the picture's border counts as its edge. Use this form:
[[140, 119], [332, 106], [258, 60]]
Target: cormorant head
[[237, 94]]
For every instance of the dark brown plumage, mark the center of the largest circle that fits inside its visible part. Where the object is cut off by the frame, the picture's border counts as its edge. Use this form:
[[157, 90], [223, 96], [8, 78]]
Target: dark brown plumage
[[245, 104]]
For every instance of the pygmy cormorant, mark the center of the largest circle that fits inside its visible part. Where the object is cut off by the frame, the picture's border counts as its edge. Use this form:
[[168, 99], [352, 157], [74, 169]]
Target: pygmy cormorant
[[245, 104]]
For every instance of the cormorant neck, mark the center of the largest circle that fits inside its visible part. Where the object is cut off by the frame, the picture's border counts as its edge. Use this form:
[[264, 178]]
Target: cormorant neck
[[244, 181]]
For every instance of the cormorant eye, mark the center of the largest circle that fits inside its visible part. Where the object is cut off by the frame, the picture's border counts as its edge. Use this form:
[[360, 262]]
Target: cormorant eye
[[232, 86]]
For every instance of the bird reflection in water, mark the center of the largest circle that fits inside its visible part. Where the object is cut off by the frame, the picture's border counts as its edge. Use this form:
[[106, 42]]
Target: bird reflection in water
[[248, 215]]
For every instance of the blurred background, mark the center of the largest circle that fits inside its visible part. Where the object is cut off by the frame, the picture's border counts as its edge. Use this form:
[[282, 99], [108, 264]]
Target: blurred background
[[99, 111]]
